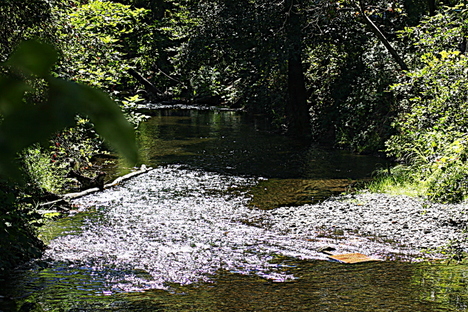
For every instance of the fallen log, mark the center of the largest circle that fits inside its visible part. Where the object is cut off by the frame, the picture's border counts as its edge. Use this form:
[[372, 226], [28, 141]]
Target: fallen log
[[117, 181], [63, 203], [151, 88]]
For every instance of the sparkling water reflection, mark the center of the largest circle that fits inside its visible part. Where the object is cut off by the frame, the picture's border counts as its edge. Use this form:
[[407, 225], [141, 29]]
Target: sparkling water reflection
[[172, 224], [176, 225], [189, 235]]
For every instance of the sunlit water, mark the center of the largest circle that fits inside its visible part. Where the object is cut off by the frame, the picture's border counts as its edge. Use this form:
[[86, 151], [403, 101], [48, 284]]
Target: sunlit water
[[195, 234]]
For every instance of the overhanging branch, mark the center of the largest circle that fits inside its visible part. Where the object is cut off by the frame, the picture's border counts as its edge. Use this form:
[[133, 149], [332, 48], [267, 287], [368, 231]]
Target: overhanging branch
[[381, 37]]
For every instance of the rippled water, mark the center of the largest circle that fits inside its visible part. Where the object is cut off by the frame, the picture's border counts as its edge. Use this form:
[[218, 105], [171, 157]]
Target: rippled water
[[171, 225], [176, 225], [195, 234]]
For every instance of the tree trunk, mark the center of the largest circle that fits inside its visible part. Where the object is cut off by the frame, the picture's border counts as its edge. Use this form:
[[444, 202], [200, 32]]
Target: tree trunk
[[432, 7], [297, 110]]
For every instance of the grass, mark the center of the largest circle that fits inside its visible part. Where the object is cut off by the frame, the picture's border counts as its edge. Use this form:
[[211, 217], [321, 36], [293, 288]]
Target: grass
[[398, 181], [41, 169]]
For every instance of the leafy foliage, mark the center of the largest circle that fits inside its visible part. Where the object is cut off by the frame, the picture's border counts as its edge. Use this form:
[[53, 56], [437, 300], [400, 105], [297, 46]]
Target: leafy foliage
[[22, 20], [350, 71], [433, 122], [25, 123], [42, 170], [222, 56], [100, 42], [240, 52], [18, 241]]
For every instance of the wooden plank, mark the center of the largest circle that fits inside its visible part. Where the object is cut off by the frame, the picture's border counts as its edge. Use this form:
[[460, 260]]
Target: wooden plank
[[352, 258]]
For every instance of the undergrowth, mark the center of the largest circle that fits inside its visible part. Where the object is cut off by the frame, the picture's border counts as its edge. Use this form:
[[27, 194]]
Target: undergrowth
[[399, 180]]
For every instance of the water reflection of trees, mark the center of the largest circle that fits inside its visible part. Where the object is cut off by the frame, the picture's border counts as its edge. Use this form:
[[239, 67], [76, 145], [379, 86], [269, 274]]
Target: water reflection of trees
[[326, 286]]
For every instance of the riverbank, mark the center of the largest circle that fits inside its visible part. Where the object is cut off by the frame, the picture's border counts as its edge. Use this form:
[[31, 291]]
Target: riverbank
[[415, 227]]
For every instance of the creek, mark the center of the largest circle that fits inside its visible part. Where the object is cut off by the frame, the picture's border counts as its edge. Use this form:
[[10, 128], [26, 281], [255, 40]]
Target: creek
[[196, 233]]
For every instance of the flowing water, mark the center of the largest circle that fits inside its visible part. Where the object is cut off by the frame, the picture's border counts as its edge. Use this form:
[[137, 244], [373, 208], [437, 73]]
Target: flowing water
[[193, 233]]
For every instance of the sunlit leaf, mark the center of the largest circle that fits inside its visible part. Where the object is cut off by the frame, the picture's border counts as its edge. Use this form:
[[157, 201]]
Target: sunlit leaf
[[106, 115]]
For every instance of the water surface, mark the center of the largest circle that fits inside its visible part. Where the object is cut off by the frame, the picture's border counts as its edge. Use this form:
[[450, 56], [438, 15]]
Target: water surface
[[295, 171], [194, 234]]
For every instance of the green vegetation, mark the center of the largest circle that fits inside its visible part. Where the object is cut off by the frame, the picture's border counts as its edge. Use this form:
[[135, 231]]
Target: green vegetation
[[371, 76], [102, 41], [399, 180], [35, 105], [432, 121]]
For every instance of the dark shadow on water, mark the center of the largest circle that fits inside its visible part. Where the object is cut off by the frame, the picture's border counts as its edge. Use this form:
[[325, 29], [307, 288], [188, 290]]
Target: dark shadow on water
[[234, 143], [231, 142]]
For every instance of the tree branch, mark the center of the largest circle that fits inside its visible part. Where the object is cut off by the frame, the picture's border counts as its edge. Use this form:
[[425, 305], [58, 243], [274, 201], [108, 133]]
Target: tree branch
[[381, 37], [149, 86]]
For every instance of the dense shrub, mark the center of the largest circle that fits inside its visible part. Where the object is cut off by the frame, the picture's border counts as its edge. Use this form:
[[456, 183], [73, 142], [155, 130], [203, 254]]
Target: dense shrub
[[351, 104], [433, 121], [18, 222]]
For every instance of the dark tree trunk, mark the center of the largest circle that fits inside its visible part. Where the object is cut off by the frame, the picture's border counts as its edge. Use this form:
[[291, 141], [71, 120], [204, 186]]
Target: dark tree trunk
[[297, 110], [432, 7]]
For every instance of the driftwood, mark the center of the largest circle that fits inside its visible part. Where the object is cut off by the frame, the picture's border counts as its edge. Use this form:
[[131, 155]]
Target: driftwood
[[349, 258], [64, 202], [117, 181]]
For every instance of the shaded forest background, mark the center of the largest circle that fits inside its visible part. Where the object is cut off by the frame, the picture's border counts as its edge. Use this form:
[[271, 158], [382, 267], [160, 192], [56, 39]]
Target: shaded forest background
[[371, 76]]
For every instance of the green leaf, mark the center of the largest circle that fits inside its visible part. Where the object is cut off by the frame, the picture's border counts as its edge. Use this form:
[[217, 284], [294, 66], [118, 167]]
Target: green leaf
[[33, 58], [109, 122], [104, 113], [12, 94], [24, 123]]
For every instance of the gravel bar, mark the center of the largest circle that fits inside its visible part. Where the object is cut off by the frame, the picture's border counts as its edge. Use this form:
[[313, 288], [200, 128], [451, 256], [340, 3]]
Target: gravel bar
[[400, 221]]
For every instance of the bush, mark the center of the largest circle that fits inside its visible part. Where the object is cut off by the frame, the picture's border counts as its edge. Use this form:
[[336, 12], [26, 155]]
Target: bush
[[348, 82], [41, 169], [433, 104], [18, 221]]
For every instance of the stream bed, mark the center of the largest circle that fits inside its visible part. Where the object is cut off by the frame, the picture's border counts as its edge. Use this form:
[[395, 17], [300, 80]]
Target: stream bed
[[225, 222]]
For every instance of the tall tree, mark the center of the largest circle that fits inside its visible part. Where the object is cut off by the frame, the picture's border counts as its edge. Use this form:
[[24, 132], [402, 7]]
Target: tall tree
[[253, 52], [297, 110]]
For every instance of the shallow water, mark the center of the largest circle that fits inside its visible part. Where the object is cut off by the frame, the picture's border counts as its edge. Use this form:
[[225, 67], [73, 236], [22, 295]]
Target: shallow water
[[232, 143], [195, 233]]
